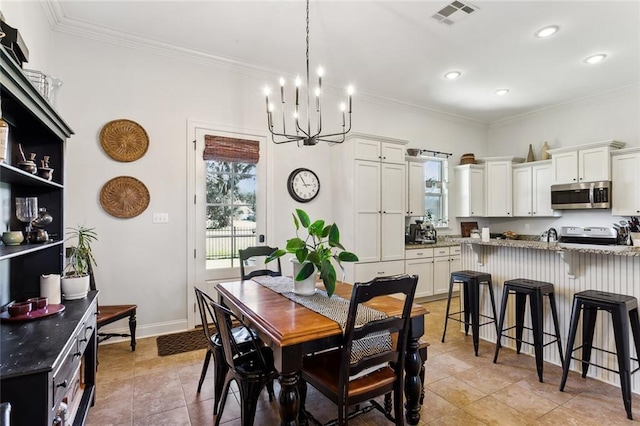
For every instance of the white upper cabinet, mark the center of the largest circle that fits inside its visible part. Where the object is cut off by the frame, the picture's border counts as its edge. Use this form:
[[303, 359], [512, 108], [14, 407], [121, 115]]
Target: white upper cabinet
[[532, 189], [416, 188], [470, 193], [625, 182], [376, 150], [584, 163], [498, 186]]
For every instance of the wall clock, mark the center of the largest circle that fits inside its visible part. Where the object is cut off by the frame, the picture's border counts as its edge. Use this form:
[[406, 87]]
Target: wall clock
[[303, 185]]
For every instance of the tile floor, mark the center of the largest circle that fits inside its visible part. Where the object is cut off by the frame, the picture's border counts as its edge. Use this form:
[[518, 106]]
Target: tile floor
[[141, 388]]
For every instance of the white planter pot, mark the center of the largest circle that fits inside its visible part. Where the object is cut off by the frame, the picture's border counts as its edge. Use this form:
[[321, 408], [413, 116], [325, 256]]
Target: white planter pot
[[75, 287], [305, 287]]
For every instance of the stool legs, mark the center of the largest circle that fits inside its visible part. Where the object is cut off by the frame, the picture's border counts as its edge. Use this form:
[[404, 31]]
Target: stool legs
[[493, 305], [573, 327], [588, 328], [446, 315], [474, 300], [554, 315], [521, 299], [621, 333], [535, 299], [503, 310]]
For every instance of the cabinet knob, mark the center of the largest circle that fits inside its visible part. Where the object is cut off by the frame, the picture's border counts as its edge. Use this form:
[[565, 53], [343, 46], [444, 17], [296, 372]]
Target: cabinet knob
[[64, 384], [384, 211], [418, 254], [508, 213], [529, 212], [574, 178], [381, 273]]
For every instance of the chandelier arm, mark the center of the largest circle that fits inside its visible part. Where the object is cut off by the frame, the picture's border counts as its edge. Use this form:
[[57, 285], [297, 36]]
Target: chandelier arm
[[278, 142]]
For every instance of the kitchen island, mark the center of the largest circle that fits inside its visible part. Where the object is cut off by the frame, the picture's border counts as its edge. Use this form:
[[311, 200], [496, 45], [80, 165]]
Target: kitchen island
[[570, 268]]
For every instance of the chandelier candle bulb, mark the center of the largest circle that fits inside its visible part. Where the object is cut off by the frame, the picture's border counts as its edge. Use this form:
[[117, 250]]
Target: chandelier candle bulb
[[282, 89]]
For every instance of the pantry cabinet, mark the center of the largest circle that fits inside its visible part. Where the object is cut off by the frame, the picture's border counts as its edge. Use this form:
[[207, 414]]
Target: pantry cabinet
[[625, 181], [369, 181], [584, 163], [470, 194]]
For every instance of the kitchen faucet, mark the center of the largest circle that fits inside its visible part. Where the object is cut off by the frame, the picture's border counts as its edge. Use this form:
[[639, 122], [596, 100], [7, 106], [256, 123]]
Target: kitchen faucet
[[555, 235]]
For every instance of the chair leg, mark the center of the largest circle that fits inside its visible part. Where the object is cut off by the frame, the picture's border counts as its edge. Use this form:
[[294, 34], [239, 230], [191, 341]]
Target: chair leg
[[249, 394], [493, 305], [446, 315], [621, 333], [205, 365], [521, 300], [474, 303], [270, 390], [588, 327], [556, 326], [573, 328], [505, 297], [221, 370], [398, 411], [537, 326], [225, 391], [635, 329]]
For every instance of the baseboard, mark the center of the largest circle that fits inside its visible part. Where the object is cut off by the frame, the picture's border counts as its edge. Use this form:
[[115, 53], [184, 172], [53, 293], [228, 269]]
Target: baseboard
[[150, 330]]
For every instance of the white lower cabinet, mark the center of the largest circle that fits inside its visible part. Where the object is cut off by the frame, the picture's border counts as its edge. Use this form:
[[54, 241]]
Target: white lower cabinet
[[433, 267], [365, 272]]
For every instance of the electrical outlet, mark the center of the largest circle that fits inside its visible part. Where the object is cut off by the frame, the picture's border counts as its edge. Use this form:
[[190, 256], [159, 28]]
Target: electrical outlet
[[160, 218], [526, 227]]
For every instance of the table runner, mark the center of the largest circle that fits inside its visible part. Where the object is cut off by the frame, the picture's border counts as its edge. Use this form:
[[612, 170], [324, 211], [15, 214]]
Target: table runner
[[335, 308]]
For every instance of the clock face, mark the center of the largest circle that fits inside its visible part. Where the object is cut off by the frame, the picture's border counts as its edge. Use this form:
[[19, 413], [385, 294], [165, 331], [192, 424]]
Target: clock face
[[303, 185]]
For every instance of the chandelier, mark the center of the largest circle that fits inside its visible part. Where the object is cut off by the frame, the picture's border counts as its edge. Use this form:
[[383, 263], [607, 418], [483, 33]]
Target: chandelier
[[303, 133]]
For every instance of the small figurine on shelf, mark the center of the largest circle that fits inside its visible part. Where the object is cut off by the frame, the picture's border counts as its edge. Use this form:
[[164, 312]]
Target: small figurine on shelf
[[45, 172], [28, 166]]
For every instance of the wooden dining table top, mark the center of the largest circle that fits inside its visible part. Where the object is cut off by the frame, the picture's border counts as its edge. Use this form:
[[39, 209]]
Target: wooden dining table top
[[286, 322]]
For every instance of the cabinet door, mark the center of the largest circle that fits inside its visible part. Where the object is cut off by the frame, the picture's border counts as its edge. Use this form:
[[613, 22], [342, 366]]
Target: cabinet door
[[522, 194], [476, 192], [416, 189], [367, 150], [498, 188], [565, 167], [541, 190], [625, 170], [392, 219], [423, 268], [392, 153], [367, 205], [594, 164], [441, 275]]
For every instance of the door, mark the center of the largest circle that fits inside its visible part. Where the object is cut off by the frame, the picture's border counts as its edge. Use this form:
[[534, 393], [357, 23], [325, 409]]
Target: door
[[594, 164], [423, 268], [441, 276], [541, 190], [498, 188], [393, 207], [522, 191], [416, 189], [367, 204], [565, 167], [476, 192], [625, 184], [227, 205]]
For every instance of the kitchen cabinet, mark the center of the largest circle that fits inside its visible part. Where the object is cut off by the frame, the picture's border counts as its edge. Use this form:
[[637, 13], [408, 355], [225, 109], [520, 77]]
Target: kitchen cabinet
[[498, 172], [433, 267], [532, 189], [470, 194], [416, 187], [369, 181], [584, 163], [625, 182]]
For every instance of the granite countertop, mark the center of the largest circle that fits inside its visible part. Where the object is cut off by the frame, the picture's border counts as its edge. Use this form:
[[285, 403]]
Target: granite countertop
[[441, 243], [555, 246]]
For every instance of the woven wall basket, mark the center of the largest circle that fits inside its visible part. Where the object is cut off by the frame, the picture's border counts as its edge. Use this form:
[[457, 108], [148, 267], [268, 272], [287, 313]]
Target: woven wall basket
[[124, 140], [124, 197]]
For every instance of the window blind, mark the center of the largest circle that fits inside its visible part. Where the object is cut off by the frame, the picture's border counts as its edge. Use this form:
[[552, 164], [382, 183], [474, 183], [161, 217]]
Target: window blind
[[220, 148]]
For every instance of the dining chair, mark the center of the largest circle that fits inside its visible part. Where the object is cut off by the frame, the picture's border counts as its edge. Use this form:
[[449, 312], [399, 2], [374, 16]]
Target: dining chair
[[257, 251], [377, 372], [251, 366], [241, 337]]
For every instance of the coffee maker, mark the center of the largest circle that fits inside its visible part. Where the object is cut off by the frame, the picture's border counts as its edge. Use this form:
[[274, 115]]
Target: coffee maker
[[419, 233]]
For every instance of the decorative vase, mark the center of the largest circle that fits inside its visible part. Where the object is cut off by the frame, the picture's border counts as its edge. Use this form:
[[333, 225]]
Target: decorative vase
[[530, 155], [545, 151], [75, 287], [306, 287]]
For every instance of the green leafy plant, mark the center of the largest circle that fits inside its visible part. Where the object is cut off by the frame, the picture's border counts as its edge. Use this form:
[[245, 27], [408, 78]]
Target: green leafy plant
[[316, 250], [80, 257]]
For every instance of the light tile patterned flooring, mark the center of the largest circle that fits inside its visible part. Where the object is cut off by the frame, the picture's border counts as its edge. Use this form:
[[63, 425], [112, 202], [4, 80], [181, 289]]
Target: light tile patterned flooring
[[141, 388]]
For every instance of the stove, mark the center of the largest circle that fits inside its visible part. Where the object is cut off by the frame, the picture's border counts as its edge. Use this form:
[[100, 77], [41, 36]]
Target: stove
[[588, 235]]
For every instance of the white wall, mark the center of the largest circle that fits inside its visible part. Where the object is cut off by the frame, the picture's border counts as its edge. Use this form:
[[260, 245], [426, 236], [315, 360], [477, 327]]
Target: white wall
[[611, 116], [146, 264]]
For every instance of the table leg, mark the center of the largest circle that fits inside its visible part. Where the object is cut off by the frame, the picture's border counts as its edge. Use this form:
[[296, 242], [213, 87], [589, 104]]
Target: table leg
[[412, 382], [289, 399]]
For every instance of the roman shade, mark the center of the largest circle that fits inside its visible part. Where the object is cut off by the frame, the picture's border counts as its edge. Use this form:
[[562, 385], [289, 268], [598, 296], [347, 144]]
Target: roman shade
[[220, 148]]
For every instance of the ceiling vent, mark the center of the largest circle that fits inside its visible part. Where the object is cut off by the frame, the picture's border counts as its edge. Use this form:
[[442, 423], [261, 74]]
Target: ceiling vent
[[454, 12]]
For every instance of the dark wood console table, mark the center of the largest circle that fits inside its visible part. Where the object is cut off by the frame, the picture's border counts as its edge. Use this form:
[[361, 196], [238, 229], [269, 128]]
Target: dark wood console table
[[39, 360]]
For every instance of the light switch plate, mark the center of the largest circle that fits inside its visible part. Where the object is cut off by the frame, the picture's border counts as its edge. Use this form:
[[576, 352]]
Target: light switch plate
[[160, 218]]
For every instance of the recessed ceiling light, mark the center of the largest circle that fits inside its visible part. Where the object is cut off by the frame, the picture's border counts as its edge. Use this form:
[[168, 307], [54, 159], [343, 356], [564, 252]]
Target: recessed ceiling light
[[594, 59], [501, 92], [452, 75], [547, 31]]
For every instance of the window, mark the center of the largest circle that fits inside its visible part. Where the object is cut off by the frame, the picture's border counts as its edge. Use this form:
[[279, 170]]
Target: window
[[436, 192], [231, 182]]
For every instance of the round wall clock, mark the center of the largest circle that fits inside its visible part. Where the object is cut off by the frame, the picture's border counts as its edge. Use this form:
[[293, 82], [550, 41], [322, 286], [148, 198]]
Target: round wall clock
[[303, 185]]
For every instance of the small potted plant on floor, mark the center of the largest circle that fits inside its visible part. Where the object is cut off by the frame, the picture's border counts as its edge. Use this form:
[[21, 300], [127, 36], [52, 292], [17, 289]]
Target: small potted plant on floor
[[80, 262], [314, 253]]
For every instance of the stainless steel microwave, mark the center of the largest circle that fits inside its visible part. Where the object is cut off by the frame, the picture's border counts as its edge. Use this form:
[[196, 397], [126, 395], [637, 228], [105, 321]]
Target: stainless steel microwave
[[583, 195]]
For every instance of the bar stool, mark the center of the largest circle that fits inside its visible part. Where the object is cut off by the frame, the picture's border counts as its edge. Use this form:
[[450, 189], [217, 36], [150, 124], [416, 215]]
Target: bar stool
[[522, 288], [470, 281], [618, 305]]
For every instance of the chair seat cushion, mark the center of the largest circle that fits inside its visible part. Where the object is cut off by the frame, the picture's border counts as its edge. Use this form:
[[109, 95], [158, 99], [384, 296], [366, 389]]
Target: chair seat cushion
[[240, 334], [324, 368]]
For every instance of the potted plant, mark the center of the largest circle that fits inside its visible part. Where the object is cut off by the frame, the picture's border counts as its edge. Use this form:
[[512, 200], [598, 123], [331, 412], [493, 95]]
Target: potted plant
[[315, 252], [80, 262]]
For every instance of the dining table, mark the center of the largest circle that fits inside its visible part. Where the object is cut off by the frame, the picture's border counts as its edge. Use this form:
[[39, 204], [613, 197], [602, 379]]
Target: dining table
[[292, 330]]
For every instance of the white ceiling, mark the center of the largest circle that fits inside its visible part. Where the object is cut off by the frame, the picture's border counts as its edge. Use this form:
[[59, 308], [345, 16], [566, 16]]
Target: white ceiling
[[395, 49]]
